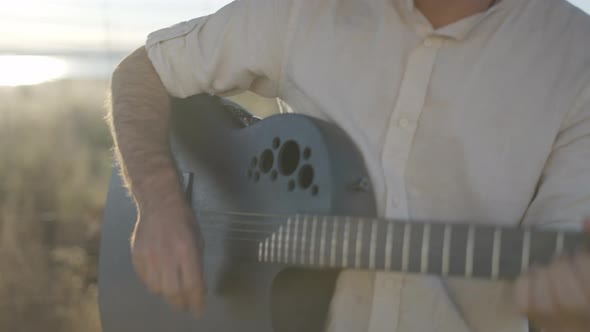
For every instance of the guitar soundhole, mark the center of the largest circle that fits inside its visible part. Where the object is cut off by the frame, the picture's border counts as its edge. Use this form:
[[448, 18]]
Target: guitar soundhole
[[315, 190], [306, 153], [291, 185], [276, 142], [289, 158], [305, 176], [266, 161]]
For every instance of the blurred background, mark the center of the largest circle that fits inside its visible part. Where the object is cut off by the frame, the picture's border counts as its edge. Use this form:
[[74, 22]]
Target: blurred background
[[56, 57]]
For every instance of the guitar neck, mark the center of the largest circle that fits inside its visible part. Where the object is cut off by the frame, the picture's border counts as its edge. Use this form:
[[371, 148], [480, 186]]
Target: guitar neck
[[429, 248]]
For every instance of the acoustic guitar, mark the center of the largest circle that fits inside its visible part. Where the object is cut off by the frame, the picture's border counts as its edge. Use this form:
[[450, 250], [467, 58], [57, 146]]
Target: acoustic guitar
[[284, 204]]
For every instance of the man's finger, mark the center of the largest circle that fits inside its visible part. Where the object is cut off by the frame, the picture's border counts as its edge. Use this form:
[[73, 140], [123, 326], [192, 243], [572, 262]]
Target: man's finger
[[581, 263], [177, 301], [170, 279], [567, 292], [193, 283]]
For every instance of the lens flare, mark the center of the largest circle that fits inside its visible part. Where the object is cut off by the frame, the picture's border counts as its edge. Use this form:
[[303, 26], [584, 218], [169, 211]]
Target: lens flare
[[30, 69]]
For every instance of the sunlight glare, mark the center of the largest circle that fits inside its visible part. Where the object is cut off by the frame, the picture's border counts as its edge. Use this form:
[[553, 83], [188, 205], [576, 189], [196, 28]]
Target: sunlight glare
[[30, 69]]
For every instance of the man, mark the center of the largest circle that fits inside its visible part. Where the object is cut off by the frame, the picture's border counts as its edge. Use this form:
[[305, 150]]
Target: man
[[465, 110]]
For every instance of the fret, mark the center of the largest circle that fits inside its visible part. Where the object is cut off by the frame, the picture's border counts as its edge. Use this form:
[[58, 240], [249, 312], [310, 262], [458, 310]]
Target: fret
[[469, 254], [303, 239], [333, 244], [323, 241], [559, 243], [272, 247], [359, 244], [287, 241], [388, 245], [496, 253], [346, 242], [482, 251], [435, 248], [511, 253], [406, 246], [280, 245], [425, 247], [373, 244], [526, 250], [295, 238], [446, 249], [314, 227], [458, 250]]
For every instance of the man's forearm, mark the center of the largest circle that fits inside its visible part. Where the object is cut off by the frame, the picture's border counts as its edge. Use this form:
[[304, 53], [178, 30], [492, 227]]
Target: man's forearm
[[139, 120]]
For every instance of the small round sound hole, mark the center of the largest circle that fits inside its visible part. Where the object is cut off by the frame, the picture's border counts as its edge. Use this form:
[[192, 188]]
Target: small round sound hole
[[306, 153], [305, 176], [276, 142], [289, 158], [267, 159], [315, 190]]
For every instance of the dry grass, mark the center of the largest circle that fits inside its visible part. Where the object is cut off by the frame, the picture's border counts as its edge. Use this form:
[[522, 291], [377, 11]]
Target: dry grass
[[54, 166], [55, 162]]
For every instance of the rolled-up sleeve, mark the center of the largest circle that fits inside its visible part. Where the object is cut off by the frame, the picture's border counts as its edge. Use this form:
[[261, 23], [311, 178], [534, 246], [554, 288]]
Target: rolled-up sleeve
[[563, 196], [238, 48]]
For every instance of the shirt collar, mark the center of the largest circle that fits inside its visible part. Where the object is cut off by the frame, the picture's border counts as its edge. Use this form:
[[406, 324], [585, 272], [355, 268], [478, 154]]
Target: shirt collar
[[458, 30]]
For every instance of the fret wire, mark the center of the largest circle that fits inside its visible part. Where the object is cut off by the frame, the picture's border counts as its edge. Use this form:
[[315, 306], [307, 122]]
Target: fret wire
[[304, 239], [359, 239], [406, 247], [446, 249], [469, 254], [313, 235], [272, 247], [287, 241], [496, 253], [333, 244], [559, 243], [526, 249], [345, 242], [280, 245], [323, 241], [295, 238], [425, 248], [388, 245], [373, 244]]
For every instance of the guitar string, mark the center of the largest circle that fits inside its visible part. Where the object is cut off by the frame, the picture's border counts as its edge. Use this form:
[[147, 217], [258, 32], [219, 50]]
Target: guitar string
[[339, 218]]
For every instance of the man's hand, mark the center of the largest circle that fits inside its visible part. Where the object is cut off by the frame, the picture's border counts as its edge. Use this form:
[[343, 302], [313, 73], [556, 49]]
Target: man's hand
[[167, 252], [166, 243], [557, 298]]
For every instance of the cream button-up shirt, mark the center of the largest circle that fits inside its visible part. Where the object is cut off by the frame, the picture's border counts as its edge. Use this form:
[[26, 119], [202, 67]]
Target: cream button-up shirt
[[486, 120]]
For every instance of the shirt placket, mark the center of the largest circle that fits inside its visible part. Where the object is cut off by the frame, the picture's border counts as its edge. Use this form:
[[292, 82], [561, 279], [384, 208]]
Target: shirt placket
[[396, 151], [404, 122]]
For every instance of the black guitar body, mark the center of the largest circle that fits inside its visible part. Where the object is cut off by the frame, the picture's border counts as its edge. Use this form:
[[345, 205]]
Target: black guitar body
[[283, 165]]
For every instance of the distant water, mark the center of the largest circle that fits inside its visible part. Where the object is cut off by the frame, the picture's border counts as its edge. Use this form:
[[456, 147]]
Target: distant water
[[33, 69]]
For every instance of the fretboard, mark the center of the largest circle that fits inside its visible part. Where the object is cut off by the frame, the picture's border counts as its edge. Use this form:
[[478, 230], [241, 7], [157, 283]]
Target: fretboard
[[437, 248]]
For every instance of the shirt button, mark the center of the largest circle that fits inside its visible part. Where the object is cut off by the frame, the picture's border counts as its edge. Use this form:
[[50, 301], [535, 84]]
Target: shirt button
[[403, 122], [428, 42]]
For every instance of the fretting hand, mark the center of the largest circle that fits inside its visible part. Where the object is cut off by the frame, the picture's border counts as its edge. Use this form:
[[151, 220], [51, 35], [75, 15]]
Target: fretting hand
[[557, 297]]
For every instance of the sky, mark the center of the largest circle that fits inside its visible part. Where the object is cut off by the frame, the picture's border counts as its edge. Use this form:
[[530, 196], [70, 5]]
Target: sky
[[54, 25]]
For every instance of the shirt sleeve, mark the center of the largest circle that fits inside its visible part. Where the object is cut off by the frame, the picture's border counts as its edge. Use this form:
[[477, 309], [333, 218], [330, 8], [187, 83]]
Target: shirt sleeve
[[238, 48], [563, 195]]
